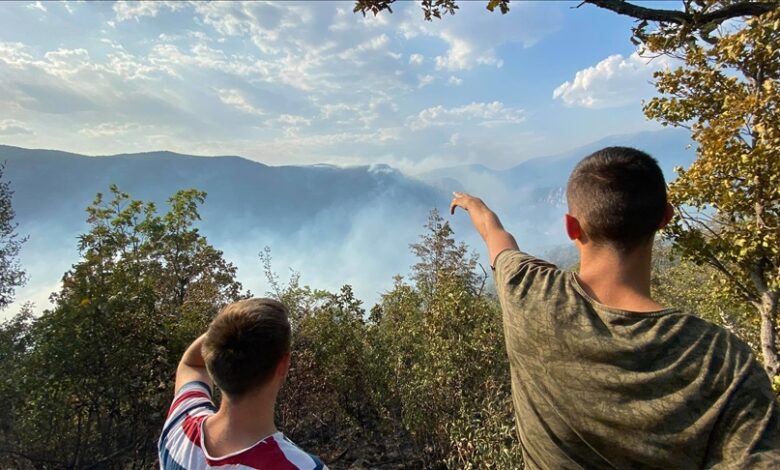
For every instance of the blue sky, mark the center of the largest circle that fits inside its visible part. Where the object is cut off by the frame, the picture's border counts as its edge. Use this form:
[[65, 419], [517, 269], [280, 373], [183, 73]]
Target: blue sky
[[311, 82]]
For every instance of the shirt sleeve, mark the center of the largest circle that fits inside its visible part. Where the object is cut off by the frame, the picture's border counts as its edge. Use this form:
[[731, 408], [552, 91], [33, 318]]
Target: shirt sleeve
[[747, 434], [515, 272], [192, 399], [193, 394]]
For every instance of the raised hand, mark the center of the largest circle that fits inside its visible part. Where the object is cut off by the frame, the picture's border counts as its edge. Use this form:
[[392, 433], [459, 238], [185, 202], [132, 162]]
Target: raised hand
[[465, 201], [486, 222]]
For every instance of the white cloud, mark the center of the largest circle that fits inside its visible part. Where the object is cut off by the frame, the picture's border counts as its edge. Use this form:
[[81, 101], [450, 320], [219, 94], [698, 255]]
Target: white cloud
[[424, 80], [483, 114], [613, 82], [332, 110], [374, 44], [289, 120], [317, 141], [290, 124], [363, 114], [236, 99], [455, 81], [14, 55], [473, 34], [134, 10], [12, 126], [64, 63], [37, 6], [460, 56], [416, 59], [108, 129], [68, 6]]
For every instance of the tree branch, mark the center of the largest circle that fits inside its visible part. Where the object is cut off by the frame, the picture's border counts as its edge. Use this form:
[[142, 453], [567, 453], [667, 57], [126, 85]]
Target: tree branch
[[484, 279], [713, 261], [32, 459], [734, 10], [622, 7]]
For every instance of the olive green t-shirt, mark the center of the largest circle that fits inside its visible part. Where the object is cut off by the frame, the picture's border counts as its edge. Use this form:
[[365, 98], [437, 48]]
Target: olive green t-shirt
[[598, 387]]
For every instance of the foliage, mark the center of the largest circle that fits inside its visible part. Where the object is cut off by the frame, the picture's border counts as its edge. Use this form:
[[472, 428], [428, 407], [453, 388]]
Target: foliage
[[422, 380], [94, 374], [727, 93], [332, 401], [446, 365], [692, 288], [11, 273]]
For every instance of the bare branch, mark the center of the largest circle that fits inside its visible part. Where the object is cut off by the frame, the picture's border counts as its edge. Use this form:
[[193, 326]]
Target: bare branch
[[484, 279], [734, 10], [714, 262], [642, 13]]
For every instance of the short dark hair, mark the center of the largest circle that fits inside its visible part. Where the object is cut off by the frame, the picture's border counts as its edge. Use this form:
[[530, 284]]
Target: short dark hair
[[245, 343], [619, 196]]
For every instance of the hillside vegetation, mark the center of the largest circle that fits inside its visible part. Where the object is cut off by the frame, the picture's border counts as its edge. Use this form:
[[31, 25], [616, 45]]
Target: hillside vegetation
[[418, 380]]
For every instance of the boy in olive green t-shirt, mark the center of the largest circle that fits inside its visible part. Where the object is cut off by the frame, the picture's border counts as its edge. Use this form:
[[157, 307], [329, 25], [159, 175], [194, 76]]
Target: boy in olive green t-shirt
[[603, 376]]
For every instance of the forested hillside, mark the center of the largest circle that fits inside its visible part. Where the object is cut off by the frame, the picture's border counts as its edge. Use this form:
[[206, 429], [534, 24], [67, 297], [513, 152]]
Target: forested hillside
[[317, 216]]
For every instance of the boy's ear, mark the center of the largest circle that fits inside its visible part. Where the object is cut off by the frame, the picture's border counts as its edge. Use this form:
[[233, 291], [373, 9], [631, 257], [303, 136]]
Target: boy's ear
[[573, 228], [283, 367], [668, 214]]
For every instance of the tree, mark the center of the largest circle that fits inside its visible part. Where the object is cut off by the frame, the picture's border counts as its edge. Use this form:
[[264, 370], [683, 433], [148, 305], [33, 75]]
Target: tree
[[94, 375], [689, 287], [11, 273], [446, 368], [441, 261], [331, 399], [727, 94]]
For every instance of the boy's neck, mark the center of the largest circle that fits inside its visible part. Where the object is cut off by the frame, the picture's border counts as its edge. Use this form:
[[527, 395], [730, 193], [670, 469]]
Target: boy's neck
[[618, 280], [240, 424]]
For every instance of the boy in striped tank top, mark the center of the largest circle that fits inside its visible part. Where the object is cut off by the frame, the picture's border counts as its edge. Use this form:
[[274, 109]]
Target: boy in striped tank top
[[246, 353]]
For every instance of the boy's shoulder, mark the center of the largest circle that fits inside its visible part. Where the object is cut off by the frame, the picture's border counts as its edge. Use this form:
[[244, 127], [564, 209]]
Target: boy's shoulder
[[276, 451]]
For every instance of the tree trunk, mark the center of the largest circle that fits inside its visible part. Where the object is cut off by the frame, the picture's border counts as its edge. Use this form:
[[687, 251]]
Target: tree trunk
[[768, 308]]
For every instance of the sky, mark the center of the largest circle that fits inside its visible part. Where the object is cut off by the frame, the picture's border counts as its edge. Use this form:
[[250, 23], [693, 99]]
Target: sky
[[312, 82]]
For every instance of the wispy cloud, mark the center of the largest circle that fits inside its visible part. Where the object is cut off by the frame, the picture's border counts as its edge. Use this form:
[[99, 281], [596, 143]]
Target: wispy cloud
[[135, 10], [236, 99], [12, 126], [482, 114], [109, 129], [613, 82], [424, 80], [37, 6]]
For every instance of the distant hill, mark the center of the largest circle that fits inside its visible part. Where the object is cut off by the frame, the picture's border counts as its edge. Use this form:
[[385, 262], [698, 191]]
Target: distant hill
[[59, 185], [531, 194], [334, 224], [670, 147]]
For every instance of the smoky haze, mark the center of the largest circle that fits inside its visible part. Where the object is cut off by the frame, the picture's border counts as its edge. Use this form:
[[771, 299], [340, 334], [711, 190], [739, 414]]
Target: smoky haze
[[333, 225]]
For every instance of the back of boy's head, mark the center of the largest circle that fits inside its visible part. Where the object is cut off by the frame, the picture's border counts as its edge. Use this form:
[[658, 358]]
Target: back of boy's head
[[618, 194], [244, 344]]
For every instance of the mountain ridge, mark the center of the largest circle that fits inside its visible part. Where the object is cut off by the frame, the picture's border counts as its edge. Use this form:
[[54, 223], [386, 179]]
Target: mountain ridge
[[334, 224]]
